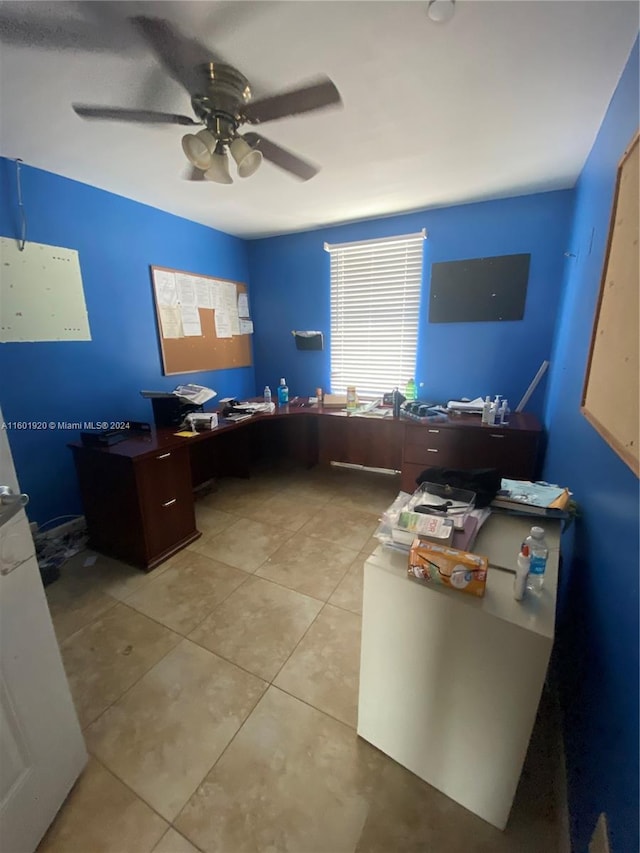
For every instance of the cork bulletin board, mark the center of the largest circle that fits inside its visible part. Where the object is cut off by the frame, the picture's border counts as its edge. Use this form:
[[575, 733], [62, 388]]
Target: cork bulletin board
[[200, 321], [610, 399]]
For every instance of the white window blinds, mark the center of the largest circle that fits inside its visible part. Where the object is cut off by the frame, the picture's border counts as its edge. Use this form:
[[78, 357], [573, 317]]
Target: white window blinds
[[375, 303]]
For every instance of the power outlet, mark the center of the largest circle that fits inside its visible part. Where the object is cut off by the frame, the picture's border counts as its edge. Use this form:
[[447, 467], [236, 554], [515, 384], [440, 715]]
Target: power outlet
[[600, 839]]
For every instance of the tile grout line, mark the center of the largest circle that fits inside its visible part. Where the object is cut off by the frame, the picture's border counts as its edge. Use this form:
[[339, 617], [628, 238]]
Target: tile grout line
[[93, 619], [233, 737], [138, 680], [182, 636], [351, 728], [177, 832]]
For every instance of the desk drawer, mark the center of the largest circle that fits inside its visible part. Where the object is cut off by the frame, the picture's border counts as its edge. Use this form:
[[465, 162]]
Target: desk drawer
[[166, 500], [167, 523], [162, 474], [433, 446], [514, 454]]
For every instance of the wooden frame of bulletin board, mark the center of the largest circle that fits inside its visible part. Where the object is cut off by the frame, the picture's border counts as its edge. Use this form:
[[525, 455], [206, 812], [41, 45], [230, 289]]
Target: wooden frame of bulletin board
[[610, 399], [193, 353]]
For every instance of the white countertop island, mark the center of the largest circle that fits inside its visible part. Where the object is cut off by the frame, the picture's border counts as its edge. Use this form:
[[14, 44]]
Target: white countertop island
[[450, 683]]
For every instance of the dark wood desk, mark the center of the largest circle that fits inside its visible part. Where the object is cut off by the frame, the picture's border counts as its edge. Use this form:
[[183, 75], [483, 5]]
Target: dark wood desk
[[138, 494]]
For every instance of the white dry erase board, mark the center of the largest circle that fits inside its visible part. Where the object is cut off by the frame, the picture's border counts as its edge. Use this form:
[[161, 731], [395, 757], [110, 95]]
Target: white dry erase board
[[41, 294], [611, 397]]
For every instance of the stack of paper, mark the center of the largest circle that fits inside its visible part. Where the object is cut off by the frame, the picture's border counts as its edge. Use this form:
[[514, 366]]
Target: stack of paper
[[474, 406], [532, 498]]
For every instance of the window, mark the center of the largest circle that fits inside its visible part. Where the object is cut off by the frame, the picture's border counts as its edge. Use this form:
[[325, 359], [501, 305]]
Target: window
[[375, 303]]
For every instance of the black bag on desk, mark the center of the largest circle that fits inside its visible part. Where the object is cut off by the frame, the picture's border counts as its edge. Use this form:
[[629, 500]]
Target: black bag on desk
[[485, 482]]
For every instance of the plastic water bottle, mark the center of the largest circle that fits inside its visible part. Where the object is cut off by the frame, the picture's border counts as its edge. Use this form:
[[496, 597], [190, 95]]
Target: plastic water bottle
[[283, 393], [410, 390], [267, 394], [538, 551]]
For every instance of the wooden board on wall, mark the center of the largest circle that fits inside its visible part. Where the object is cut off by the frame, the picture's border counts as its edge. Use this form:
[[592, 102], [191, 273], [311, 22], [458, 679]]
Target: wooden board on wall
[[611, 396], [192, 354]]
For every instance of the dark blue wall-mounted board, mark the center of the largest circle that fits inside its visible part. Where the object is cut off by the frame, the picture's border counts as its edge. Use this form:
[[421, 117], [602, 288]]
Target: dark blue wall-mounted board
[[479, 289]]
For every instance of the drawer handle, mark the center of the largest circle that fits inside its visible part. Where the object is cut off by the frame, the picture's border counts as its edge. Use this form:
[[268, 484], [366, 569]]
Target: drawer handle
[[434, 430], [432, 450], [163, 456], [495, 435], [169, 503]]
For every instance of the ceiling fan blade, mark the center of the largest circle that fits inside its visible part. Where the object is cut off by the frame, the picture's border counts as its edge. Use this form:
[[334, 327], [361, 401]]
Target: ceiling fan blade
[[318, 95], [281, 157], [178, 55], [139, 116], [193, 174]]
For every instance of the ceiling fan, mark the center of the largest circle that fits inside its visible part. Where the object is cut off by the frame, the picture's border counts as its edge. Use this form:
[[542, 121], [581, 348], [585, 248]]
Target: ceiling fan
[[221, 101]]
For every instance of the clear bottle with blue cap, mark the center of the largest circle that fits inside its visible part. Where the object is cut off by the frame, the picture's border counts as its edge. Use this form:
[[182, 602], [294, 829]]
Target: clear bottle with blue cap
[[283, 393]]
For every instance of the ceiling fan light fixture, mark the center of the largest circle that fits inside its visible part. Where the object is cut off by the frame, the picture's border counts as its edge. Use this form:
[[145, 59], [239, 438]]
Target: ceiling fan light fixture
[[199, 148], [218, 171], [441, 11], [247, 158]]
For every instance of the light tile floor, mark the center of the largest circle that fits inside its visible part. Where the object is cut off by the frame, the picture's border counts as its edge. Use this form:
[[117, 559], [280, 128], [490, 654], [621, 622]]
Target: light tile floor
[[218, 694]]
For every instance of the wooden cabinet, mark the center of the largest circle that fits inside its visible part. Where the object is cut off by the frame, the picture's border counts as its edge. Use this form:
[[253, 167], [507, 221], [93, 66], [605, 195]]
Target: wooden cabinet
[[361, 441], [138, 498], [513, 449], [139, 509]]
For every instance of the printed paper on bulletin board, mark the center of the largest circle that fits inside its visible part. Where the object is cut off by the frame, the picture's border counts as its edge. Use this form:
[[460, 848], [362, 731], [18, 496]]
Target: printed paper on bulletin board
[[41, 294], [611, 396], [197, 346]]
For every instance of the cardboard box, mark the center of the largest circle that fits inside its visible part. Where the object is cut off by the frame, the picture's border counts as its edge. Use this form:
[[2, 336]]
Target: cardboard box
[[439, 564]]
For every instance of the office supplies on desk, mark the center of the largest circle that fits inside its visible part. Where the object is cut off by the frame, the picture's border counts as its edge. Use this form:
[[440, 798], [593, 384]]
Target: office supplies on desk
[[109, 437], [334, 400], [198, 394], [169, 410], [103, 438], [429, 527], [536, 498], [236, 417], [442, 499], [202, 421], [469, 406], [421, 412]]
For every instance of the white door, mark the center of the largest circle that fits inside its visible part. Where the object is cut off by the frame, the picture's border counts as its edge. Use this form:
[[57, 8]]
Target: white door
[[42, 751]]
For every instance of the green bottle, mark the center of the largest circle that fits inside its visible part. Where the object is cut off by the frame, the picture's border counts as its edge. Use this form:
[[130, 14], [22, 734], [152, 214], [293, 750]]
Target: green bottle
[[410, 390]]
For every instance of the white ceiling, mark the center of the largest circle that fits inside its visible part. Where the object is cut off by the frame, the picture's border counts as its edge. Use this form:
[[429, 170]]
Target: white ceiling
[[504, 99]]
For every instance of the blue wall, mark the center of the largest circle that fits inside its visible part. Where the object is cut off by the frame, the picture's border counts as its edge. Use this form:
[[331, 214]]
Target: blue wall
[[597, 643], [290, 290], [99, 380]]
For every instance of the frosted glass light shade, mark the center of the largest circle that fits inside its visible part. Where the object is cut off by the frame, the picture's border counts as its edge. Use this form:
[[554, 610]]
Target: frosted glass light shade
[[246, 157], [441, 11], [199, 148], [218, 171]]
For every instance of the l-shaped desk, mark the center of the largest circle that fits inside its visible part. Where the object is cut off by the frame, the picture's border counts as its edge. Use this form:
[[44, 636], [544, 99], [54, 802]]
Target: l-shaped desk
[[138, 494]]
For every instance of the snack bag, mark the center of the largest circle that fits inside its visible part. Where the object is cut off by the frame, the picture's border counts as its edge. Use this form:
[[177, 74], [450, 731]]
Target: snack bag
[[456, 569]]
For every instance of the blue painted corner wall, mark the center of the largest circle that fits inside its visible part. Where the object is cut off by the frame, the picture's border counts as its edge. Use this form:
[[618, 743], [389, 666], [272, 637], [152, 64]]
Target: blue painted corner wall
[[597, 637], [99, 380], [289, 287]]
